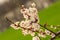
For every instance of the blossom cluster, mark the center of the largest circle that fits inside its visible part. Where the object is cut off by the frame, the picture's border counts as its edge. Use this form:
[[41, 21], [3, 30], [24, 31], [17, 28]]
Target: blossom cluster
[[31, 23]]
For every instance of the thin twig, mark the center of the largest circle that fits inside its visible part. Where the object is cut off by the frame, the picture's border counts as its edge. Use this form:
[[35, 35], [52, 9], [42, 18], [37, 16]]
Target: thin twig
[[58, 33], [47, 28], [10, 21]]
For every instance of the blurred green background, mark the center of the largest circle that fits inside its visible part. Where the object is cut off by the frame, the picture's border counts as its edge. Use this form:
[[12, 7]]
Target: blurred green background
[[50, 15]]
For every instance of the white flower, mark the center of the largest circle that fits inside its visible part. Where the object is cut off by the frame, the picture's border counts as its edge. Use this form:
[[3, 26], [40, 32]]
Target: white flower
[[47, 32], [52, 35], [35, 38], [42, 34], [25, 13], [32, 33], [15, 26], [25, 32], [27, 23], [33, 4], [29, 27], [35, 26], [33, 11], [22, 24], [25, 16], [32, 19]]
